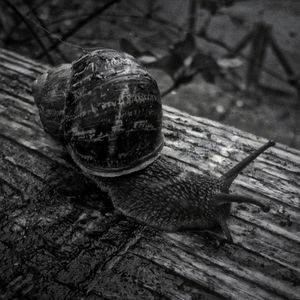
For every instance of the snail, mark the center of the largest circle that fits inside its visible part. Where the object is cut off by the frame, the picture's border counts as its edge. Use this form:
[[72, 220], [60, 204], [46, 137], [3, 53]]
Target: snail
[[106, 110]]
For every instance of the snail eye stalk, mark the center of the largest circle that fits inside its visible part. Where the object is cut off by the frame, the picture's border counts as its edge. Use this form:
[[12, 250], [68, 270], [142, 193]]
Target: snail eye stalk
[[236, 170], [222, 198]]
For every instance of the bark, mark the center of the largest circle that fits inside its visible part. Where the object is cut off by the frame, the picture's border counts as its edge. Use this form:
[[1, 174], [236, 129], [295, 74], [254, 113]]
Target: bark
[[60, 237]]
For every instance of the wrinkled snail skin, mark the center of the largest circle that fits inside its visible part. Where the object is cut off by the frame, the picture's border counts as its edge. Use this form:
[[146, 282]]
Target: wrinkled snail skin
[[106, 110], [166, 196]]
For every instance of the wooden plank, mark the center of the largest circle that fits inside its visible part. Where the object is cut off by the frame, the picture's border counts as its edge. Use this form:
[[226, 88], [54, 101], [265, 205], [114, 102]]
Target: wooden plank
[[60, 236]]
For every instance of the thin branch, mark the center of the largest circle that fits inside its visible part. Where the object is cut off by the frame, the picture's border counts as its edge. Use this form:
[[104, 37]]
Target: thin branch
[[157, 19], [179, 81], [16, 26], [241, 44], [259, 43], [26, 22], [192, 15], [42, 23], [282, 59], [78, 26]]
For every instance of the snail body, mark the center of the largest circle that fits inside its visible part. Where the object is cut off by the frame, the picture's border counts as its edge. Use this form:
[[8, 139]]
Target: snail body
[[106, 110]]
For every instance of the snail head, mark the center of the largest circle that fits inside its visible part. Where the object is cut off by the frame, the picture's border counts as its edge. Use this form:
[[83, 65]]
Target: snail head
[[224, 197]]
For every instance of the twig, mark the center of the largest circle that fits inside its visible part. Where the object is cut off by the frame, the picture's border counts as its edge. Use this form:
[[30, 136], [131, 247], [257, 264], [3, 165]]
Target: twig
[[16, 26], [157, 19], [179, 81], [26, 22], [241, 44], [42, 23], [205, 25], [192, 15], [260, 38], [284, 62], [78, 26]]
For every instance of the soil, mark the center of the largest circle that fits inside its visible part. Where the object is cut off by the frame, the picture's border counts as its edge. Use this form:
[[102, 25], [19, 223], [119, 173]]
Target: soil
[[271, 111]]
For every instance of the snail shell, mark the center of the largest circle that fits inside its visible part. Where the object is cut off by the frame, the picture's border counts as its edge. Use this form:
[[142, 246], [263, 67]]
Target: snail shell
[[106, 109]]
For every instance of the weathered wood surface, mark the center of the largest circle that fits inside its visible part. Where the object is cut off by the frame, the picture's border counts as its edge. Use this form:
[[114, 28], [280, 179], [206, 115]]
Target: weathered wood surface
[[61, 238]]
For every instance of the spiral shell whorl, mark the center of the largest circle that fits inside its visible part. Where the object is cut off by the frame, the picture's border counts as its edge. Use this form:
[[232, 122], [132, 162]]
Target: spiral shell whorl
[[50, 91], [113, 115]]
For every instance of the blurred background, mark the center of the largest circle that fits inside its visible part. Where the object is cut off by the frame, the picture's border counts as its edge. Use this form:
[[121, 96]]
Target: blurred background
[[228, 60]]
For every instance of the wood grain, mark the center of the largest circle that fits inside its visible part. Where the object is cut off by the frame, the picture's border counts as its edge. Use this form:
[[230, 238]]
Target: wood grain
[[61, 238]]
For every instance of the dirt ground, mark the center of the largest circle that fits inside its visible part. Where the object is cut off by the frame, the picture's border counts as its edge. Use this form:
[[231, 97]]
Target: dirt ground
[[154, 27]]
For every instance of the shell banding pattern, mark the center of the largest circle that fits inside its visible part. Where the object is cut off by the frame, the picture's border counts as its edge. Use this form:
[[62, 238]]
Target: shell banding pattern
[[113, 114]]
